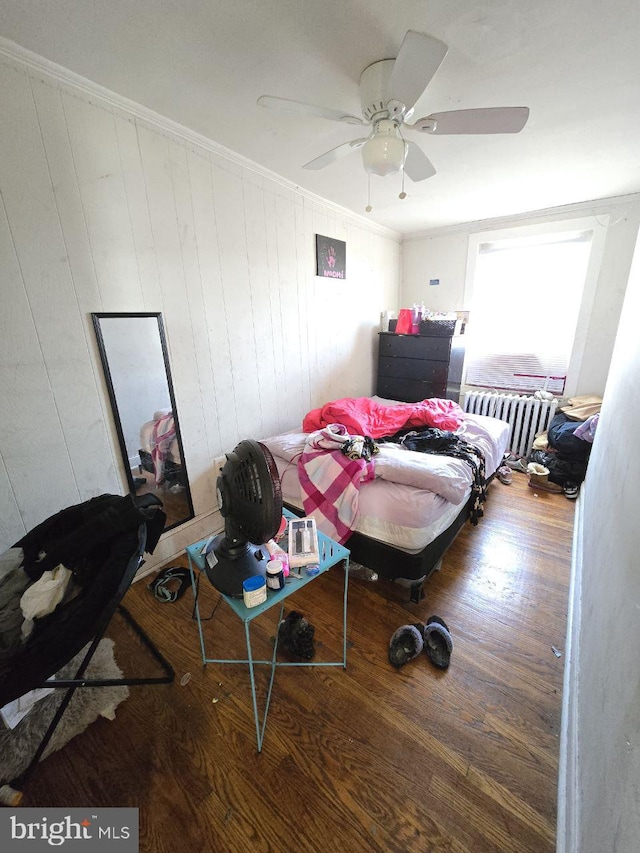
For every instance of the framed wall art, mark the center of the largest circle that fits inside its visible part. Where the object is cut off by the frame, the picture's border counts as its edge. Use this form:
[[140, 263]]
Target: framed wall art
[[331, 257]]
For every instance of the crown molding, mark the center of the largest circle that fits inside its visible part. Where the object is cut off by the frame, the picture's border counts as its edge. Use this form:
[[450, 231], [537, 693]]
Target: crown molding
[[41, 66], [593, 207]]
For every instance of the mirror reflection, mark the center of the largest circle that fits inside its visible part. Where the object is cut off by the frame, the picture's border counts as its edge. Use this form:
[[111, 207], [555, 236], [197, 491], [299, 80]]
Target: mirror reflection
[[134, 357]]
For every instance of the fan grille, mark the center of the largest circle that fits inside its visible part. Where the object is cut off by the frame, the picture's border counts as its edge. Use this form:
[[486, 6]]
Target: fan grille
[[252, 493]]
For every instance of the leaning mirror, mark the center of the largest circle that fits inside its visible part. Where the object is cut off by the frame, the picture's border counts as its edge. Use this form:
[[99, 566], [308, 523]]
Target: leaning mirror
[[134, 357]]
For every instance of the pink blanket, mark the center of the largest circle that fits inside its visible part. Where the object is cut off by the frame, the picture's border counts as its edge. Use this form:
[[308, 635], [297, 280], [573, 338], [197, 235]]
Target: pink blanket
[[330, 481], [164, 433], [364, 416]]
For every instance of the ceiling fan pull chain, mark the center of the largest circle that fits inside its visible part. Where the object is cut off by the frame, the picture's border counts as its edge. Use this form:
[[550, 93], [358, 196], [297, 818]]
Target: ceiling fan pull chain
[[368, 208], [403, 193]]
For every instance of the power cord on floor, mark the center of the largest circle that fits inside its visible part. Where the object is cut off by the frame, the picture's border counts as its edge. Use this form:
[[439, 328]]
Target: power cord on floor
[[195, 603]]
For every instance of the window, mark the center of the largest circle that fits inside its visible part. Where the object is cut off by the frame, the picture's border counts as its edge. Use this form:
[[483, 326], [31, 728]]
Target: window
[[527, 295]]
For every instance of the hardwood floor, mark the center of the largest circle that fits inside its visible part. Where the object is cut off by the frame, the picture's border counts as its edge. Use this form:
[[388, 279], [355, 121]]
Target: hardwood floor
[[368, 759]]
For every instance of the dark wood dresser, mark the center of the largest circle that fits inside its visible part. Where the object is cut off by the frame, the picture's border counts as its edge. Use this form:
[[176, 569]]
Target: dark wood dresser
[[414, 367]]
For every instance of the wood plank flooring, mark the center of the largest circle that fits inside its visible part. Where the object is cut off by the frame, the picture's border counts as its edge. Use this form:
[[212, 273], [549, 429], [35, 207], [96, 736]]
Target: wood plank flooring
[[370, 759]]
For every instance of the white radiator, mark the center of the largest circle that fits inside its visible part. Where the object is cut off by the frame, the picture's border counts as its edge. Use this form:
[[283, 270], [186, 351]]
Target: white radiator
[[527, 416]]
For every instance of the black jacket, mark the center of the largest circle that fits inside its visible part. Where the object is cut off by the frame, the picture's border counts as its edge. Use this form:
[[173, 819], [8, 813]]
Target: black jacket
[[101, 541]]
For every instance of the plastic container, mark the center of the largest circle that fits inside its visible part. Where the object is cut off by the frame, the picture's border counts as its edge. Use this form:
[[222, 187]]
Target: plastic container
[[284, 559], [416, 317], [254, 591], [278, 553], [275, 575]]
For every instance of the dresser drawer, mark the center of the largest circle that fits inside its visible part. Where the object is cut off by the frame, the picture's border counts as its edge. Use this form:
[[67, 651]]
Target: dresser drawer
[[408, 390], [413, 368], [414, 346]]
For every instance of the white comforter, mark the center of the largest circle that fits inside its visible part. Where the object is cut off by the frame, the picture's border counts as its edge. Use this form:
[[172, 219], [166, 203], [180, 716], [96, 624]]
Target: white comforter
[[443, 475]]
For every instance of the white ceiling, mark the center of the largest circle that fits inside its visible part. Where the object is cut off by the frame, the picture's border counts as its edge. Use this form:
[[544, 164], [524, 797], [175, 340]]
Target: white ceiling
[[575, 63]]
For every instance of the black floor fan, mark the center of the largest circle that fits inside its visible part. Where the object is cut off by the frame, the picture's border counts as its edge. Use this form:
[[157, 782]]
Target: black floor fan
[[250, 500]]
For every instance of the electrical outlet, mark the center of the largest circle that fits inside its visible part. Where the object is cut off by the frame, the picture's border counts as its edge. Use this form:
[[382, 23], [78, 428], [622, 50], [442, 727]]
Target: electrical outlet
[[218, 465]]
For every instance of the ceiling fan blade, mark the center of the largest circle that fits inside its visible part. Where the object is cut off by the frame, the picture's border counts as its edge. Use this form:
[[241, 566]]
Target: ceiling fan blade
[[417, 165], [418, 60], [489, 120], [335, 154], [289, 106]]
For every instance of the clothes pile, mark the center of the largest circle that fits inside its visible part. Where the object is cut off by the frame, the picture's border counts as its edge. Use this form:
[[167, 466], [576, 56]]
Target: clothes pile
[[565, 448], [56, 582]]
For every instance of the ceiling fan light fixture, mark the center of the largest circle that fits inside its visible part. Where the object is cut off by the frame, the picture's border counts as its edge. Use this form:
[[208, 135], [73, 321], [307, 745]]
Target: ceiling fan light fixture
[[385, 152], [389, 92]]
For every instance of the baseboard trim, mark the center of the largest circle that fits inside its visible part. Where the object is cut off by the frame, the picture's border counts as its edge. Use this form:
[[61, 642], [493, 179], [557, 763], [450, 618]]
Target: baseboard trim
[[173, 543], [568, 800]]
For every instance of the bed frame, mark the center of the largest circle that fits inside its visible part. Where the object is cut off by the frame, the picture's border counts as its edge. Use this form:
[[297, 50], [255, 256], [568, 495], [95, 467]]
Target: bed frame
[[392, 563]]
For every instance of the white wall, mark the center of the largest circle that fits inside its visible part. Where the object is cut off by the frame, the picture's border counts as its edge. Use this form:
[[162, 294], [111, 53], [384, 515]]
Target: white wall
[[103, 209], [599, 794], [443, 255]]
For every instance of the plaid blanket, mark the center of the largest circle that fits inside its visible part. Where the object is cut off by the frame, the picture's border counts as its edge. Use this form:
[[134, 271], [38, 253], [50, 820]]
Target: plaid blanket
[[330, 481], [164, 432]]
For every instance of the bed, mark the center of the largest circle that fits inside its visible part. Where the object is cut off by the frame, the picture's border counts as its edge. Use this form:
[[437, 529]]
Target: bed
[[411, 512]]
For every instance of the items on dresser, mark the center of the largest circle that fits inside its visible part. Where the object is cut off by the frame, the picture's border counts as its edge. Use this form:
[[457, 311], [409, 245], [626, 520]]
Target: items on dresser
[[415, 367]]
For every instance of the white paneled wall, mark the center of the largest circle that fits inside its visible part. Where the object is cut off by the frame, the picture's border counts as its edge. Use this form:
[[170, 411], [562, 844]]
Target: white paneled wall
[[104, 210]]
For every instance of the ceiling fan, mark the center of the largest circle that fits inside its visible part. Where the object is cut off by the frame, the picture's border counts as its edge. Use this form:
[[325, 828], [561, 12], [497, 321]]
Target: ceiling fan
[[389, 90]]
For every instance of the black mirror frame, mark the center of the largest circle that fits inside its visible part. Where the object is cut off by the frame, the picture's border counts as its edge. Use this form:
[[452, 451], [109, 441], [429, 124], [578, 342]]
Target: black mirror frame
[[96, 317]]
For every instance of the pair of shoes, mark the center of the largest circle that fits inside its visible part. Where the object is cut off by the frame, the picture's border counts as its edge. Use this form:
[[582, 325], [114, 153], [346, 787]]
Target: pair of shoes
[[170, 584], [516, 463], [571, 491], [410, 640], [504, 475], [296, 634], [539, 478]]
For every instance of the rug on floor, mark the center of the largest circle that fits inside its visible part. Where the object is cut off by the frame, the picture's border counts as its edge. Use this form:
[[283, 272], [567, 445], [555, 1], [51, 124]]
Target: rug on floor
[[18, 745]]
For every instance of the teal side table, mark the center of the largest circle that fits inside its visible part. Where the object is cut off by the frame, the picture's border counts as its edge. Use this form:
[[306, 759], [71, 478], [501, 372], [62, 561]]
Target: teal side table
[[331, 554]]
